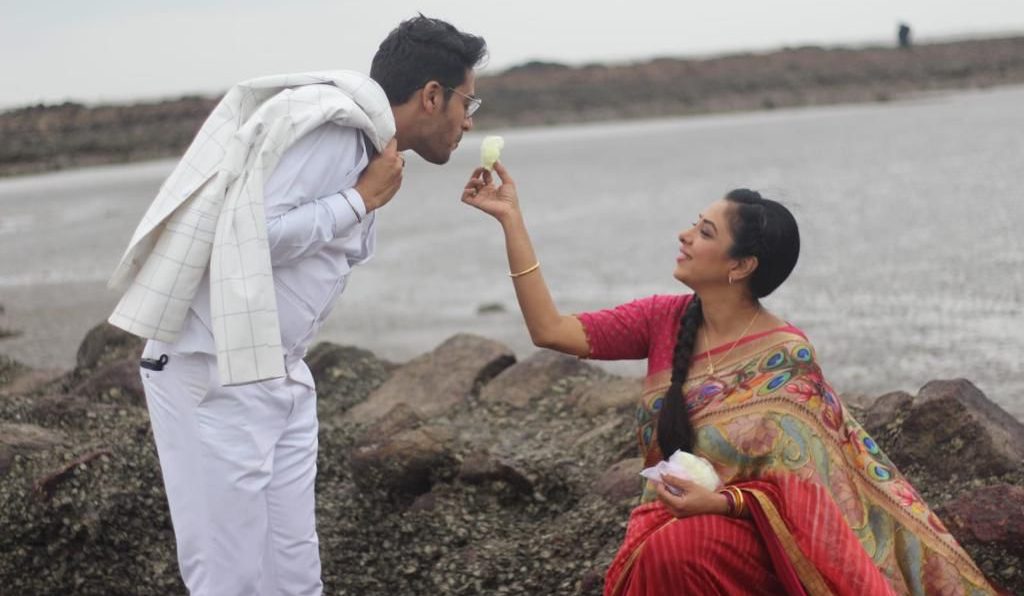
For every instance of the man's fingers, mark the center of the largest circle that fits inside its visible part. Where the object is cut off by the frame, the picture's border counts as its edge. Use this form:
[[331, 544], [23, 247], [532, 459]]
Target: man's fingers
[[392, 147]]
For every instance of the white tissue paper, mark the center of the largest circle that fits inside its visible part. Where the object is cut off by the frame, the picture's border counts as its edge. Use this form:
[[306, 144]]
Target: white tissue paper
[[686, 466]]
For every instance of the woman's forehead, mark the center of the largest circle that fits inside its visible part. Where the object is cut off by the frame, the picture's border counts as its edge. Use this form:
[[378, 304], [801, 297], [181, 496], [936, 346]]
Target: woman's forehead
[[716, 211]]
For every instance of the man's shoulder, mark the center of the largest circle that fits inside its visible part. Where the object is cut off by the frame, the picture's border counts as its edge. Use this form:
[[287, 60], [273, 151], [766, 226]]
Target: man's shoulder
[[332, 142]]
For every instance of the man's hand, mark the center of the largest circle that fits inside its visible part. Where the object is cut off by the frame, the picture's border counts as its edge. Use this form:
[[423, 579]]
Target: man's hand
[[693, 500], [379, 182], [500, 202]]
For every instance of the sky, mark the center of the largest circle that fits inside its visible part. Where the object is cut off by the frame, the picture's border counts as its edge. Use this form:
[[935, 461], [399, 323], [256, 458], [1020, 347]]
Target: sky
[[122, 50]]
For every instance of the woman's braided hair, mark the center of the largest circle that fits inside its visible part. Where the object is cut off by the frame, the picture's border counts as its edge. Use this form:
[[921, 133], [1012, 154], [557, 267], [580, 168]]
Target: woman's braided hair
[[760, 228]]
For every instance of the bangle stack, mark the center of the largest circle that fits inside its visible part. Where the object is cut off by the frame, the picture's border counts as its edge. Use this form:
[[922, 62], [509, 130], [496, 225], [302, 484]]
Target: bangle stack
[[734, 496], [530, 269]]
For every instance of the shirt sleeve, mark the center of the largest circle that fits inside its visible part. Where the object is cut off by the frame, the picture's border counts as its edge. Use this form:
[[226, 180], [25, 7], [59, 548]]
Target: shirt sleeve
[[620, 333], [299, 222]]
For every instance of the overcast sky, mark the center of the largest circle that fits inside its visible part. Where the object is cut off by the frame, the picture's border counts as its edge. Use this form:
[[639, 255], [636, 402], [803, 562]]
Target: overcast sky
[[116, 50]]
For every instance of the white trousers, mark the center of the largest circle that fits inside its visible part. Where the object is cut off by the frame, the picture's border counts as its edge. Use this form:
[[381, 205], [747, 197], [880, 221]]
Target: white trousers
[[239, 465]]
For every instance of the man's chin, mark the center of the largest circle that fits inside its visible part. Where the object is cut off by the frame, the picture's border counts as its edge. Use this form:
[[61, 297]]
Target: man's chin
[[439, 155], [437, 160]]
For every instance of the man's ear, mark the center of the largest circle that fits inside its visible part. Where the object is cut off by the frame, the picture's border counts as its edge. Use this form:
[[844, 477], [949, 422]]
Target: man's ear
[[743, 268], [432, 97]]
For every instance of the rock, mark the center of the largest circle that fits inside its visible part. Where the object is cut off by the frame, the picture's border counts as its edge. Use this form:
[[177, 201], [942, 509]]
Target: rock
[[592, 581], [23, 439], [889, 409], [426, 502], [400, 418], [531, 378], [436, 382], [611, 394], [61, 408], [481, 468], [951, 428], [104, 343], [491, 308], [28, 380], [9, 370], [407, 464], [115, 382], [345, 376], [603, 433], [621, 481], [859, 401], [989, 515]]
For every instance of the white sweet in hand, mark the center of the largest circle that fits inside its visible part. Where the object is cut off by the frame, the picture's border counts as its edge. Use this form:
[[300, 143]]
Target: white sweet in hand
[[686, 466], [490, 150]]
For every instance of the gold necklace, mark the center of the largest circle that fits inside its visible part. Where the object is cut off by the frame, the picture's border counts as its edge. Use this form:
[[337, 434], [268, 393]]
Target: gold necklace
[[707, 340]]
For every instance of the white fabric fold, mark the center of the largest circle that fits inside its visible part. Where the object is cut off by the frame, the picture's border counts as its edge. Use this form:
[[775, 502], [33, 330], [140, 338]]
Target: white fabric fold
[[210, 212]]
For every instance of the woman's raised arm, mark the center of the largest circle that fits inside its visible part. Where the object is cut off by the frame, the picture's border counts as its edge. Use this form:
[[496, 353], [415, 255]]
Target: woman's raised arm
[[548, 328]]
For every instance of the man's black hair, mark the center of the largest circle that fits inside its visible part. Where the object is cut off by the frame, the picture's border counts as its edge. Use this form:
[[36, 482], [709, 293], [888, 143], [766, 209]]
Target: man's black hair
[[421, 50]]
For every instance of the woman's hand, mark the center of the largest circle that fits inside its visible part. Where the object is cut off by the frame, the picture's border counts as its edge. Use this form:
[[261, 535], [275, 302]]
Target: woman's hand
[[500, 202], [693, 500]]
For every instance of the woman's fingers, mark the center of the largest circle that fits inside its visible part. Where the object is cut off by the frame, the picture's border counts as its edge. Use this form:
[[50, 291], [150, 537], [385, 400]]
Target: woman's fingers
[[506, 178], [672, 502], [685, 486]]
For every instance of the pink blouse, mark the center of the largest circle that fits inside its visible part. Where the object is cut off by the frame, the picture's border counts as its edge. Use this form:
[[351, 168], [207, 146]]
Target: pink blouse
[[645, 328]]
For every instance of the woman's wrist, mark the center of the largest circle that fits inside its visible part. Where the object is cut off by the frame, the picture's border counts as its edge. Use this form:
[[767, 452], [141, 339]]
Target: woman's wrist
[[513, 220], [723, 504]]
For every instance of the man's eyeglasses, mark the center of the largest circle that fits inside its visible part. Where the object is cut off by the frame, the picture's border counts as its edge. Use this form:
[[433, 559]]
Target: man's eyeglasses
[[472, 106]]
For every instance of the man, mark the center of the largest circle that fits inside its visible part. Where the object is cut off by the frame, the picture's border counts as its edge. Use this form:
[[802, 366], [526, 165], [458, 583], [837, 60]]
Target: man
[[234, 269]]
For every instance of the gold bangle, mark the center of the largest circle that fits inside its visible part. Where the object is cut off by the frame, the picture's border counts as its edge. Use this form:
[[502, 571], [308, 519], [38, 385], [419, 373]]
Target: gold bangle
[[531, 269], [736, 501], [741, 505]]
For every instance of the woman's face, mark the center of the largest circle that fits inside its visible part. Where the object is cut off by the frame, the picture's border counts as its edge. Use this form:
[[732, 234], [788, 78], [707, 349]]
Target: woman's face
[[703, 257]]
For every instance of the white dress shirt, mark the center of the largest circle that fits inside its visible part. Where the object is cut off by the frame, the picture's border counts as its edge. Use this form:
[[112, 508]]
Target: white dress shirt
[[318, 230]]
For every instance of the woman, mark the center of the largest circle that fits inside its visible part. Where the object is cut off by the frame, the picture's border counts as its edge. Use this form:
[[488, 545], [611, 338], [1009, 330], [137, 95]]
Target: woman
[[811, 505]]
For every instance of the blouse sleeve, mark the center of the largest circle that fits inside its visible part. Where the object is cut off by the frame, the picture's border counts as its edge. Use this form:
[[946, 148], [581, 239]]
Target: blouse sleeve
[[620, 333]]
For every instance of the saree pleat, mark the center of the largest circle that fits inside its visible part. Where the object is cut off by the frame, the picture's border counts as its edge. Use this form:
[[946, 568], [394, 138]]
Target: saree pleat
[[705, 554]]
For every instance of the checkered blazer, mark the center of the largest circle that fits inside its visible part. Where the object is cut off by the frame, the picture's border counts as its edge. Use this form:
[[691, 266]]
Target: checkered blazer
[[209, 212]]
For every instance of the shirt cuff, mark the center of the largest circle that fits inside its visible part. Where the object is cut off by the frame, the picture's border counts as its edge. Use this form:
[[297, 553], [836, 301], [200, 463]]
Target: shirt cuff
[[349, 211]]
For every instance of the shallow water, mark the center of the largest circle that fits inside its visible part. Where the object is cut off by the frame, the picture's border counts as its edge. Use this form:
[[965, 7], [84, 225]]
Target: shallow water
[[912, 265]]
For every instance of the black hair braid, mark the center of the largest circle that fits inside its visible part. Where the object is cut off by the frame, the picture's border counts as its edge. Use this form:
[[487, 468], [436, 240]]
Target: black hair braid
[[675, 429]]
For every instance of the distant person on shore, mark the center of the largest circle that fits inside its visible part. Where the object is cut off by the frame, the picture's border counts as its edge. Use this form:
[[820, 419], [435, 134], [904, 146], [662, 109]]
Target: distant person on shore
[[810, 504], [904, 36], [236, 265]]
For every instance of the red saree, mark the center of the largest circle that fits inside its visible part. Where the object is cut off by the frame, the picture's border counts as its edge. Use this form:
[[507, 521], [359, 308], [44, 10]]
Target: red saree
[[830, 514], [796, 542]]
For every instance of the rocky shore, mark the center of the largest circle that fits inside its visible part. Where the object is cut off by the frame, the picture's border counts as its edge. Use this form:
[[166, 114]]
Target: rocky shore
[[463, 471], [42, 138]]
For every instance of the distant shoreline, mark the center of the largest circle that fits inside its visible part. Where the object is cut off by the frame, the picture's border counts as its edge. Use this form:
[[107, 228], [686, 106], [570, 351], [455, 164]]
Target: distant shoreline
[[45, 138]]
